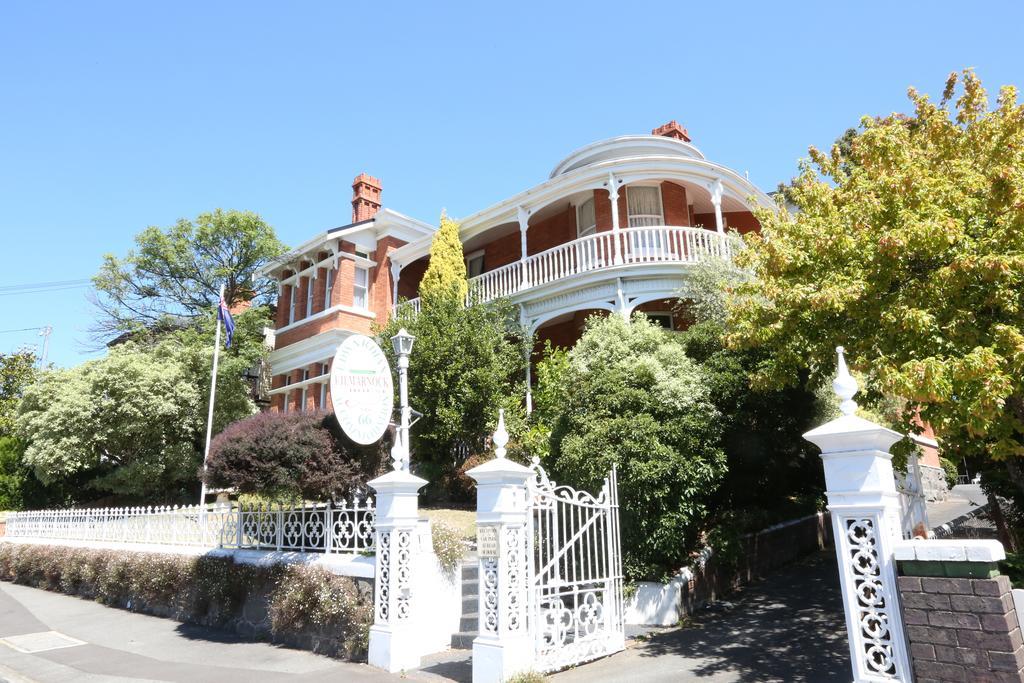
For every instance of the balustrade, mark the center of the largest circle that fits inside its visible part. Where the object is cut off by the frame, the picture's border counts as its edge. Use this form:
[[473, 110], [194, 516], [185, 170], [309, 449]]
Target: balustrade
[[644, 245]]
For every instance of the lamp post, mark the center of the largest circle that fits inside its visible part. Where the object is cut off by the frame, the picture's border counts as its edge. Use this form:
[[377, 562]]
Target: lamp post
[[402, 343]]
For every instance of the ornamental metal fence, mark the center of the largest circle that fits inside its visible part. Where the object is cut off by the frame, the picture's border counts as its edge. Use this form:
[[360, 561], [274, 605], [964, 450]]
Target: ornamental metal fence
[[343, 527]]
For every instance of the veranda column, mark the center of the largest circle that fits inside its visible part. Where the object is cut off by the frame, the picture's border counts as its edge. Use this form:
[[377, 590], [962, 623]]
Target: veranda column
[[613, 195], [504, 647], [396, 273], [716, 199], [394, 642], [524, 218], [865, 510]]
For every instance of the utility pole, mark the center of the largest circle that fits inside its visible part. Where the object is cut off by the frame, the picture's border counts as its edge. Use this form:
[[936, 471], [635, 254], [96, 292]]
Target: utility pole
[[45, 334]]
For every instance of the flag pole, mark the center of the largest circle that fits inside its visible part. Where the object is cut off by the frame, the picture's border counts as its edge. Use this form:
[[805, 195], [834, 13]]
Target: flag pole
[[213, 393]]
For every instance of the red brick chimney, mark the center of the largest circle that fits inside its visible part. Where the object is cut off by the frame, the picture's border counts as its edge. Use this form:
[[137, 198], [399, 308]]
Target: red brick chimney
[[672, 130], [365, 197]]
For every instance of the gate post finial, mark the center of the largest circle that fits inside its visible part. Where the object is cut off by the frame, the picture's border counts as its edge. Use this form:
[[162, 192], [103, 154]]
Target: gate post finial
[[500, 435]]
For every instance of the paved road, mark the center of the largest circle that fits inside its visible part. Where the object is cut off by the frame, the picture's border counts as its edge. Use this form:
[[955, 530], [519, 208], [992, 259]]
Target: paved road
[[962, 499], [786, 628]]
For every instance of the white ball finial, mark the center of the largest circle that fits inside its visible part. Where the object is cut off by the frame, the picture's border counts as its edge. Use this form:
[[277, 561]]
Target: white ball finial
[[845, 385], [500, 435]]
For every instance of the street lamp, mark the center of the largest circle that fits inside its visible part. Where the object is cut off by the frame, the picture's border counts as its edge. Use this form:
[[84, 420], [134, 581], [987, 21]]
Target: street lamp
[[402, 343]]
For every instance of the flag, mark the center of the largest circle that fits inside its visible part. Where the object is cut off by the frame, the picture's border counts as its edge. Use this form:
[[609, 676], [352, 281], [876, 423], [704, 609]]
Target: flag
[[229, 323]]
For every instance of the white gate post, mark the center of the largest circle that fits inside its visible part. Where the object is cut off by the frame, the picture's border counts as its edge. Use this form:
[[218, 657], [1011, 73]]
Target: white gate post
[[504, 647], [865, 508], [394, 642]]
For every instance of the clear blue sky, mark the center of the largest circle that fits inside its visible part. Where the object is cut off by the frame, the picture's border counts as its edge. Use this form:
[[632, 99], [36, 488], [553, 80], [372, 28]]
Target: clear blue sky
[[115, 116]]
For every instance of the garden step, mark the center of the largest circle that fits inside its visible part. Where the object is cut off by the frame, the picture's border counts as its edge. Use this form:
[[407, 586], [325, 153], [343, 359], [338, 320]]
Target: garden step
[[469, 622]]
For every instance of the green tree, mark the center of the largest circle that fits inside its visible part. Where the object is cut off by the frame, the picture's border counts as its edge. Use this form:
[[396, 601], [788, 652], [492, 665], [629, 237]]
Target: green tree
[[445, 277], [134, 421], [908, 249], [631, 397], [466, 363], [17, 370], [176, 273]]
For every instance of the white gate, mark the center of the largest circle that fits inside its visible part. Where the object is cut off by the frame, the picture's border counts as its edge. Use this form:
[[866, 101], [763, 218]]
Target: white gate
[[575, 598]]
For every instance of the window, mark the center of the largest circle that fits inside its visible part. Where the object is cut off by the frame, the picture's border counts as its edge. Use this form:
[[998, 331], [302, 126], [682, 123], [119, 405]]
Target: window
[[291, 302], [305, 390], [323, 388], [361, 287], [309, 296], [286, 394], [328, 283], [363, 254], [663, 319], [644, 206], [475, 264], [586, 220]]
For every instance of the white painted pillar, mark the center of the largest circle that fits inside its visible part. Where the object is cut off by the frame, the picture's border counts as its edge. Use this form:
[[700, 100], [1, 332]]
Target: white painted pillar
[[613, 195], [504, 647], [396, 274], [716, 199], [865, 511], [395, 640], [524, 218], [529, 356]]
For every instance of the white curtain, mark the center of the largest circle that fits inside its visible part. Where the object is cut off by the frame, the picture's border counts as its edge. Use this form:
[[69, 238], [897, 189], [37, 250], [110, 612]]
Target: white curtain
[[586, 221], [644, 206]]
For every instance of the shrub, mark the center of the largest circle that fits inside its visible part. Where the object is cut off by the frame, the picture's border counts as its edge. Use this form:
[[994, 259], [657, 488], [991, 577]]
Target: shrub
[[282, 454], [448, 546], [631, 397], [951, 471]]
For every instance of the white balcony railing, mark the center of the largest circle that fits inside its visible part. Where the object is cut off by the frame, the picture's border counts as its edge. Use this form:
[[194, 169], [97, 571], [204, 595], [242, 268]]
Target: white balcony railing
[[648, 245]]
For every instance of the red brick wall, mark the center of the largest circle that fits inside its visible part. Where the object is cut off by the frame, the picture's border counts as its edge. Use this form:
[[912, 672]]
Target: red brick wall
[[501, 252], [673, 201], [602, 210], [743, 221], [550, 232], [412, 274]]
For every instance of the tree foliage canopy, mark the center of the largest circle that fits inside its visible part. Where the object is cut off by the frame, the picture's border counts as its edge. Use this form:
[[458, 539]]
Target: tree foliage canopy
[[177, 272], [466, 363], [908, 249], [135, 420], [629, 396], [445, 278], [17, 370]]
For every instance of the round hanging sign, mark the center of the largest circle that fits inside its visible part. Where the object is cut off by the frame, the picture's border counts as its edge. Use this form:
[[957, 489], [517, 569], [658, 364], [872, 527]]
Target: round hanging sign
[[361, 389]]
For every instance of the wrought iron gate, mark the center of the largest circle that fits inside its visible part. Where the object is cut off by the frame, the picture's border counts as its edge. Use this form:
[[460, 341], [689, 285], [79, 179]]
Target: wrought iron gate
[[575, 598]]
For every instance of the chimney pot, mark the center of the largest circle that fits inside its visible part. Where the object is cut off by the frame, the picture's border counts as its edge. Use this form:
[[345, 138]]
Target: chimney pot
[[672, 130], [365, 197]]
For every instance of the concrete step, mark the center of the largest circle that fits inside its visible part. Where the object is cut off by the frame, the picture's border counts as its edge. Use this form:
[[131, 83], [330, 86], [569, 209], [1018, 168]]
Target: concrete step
[[463, 641], [469, 622]]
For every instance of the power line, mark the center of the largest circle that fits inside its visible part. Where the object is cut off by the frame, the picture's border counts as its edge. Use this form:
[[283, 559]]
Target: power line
[[24, 329], [37, 285], [43, 290]]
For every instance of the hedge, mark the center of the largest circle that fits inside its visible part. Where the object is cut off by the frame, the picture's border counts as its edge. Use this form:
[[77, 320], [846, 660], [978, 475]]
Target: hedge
[[296, 605]]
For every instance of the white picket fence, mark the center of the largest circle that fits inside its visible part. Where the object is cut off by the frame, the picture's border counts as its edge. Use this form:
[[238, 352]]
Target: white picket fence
[[343, 527]]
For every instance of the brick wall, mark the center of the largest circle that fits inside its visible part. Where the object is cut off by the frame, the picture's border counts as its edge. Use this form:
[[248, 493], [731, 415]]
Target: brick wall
[[741, 221], [960, 621], [673, 200]]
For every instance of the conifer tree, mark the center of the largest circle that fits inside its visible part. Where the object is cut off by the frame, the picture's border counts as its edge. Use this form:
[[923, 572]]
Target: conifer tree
[[445, 279]]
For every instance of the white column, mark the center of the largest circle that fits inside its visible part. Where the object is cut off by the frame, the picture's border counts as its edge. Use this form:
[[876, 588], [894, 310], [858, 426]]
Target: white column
[[613, 195], [716, 198], [524, 218], [396, 274], [529, 356], [865, 511], [395, 640], [504, 647]]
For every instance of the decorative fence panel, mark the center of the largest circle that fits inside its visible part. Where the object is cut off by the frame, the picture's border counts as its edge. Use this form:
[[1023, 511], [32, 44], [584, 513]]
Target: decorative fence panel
[[575, 566], [344, 527]]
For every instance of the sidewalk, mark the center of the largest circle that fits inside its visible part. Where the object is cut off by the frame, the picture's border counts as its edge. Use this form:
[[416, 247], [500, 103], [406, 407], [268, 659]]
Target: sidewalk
[[122, 646], [963, 499]]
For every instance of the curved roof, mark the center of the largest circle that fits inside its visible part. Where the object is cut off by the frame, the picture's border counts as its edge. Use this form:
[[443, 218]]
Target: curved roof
[[623, 147]]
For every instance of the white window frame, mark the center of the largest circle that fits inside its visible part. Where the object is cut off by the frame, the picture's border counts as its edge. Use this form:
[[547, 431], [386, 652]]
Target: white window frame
[[309, 296], [323, 395], [291, 302], [365, 306], [286, 393], [477, 255], [582, 231], [328, 283], [645, 216], [305, 391]]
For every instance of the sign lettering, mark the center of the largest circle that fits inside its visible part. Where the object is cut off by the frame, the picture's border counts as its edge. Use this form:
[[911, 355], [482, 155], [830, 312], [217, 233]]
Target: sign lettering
[[361, 389]]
